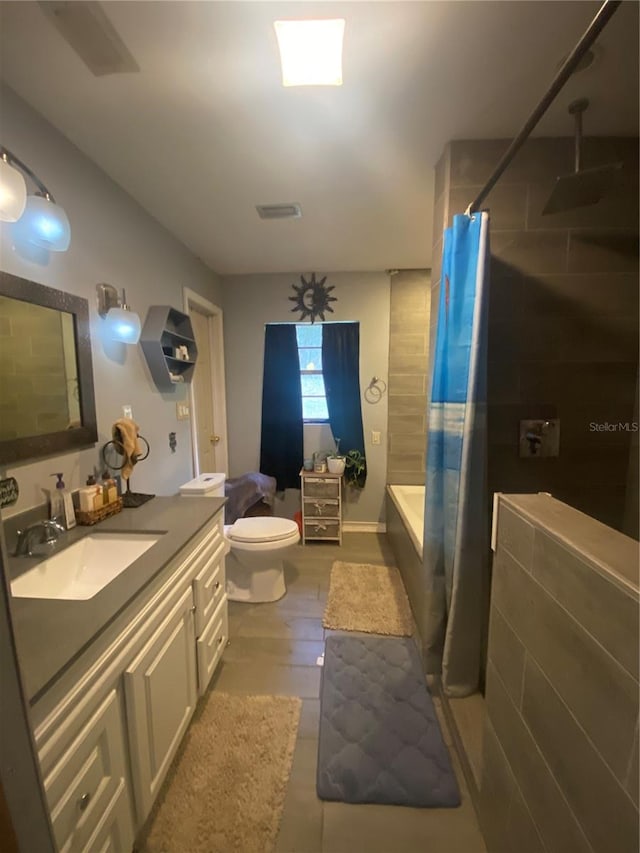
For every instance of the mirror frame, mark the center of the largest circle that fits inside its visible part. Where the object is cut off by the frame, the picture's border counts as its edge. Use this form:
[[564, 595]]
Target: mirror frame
[[47, 444]]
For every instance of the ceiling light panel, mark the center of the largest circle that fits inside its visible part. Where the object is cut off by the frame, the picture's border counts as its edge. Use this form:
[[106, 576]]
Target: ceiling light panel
[[311, 52]]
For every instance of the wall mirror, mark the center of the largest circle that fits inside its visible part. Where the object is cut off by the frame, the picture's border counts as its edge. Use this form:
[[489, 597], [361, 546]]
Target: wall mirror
[[47, 403]]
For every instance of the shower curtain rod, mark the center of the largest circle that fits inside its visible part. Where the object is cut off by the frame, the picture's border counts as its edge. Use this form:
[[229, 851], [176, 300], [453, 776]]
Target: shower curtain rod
[[606, 11]]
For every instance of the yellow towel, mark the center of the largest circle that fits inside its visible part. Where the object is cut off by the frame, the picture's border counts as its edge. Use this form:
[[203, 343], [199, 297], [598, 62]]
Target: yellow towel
[[125, 434]]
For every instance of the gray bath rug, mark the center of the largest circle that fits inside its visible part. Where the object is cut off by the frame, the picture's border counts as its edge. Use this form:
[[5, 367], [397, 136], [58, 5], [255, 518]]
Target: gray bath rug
[[380, 741], [369, 598]]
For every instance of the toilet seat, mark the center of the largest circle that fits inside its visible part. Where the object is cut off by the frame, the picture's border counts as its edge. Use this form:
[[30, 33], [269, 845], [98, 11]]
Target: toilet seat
[[262, 533]]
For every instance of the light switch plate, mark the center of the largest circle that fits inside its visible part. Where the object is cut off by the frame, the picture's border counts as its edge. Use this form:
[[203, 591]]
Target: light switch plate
[[182, 411], [375, 436], [127, 412]]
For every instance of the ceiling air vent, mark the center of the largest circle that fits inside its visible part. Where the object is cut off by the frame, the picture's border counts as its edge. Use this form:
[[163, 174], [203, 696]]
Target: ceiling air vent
[[88, 30], [279, 211]]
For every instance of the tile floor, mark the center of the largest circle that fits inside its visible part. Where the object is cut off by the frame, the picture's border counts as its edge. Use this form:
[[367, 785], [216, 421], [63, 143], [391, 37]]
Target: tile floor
[[273, 649]]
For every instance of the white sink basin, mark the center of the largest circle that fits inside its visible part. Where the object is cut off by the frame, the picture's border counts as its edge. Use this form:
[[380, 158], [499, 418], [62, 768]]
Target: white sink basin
[[84, 568]]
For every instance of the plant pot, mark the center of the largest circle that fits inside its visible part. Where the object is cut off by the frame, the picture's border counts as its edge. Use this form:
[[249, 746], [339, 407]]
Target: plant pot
[[336, 464]]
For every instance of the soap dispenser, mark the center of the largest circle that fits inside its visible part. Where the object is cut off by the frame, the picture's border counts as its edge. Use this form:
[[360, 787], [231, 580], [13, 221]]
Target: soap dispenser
[[62, 509]]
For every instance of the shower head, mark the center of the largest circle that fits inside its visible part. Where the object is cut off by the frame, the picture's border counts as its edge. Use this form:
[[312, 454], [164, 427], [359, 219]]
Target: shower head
[[583, 186], [581, 189]]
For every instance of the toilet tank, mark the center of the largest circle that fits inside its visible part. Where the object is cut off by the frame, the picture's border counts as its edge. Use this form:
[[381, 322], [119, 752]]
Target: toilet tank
[[205, 486]]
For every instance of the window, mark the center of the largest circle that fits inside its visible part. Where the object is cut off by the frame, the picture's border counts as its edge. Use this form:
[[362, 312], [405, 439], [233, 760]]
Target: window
[[314, 401]]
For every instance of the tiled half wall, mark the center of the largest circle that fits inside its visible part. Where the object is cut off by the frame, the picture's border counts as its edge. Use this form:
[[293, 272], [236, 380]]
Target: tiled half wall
[[560, 754]]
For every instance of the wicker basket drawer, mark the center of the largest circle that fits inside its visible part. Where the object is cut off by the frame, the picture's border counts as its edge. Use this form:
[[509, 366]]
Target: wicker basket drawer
[[317, 488], [321, 528], [323, 507]]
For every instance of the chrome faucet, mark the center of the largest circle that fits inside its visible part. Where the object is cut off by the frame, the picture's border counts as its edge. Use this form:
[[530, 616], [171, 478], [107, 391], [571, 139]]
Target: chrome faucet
[[39, 533]]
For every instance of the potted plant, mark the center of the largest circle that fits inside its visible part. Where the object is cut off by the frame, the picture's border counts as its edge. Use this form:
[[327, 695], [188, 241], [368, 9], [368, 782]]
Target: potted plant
[[335, 461], [356, 464]]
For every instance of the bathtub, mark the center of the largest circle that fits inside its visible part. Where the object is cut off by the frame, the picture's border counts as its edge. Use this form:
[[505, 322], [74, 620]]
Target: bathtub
[[405, 528], [409, 502]]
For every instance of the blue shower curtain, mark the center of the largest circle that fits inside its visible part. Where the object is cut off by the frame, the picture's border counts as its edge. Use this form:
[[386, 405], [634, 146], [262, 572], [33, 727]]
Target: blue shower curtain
[[456, 504]]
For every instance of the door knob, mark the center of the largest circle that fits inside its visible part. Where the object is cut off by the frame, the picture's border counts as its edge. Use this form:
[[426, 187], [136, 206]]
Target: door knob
[[214, 439]]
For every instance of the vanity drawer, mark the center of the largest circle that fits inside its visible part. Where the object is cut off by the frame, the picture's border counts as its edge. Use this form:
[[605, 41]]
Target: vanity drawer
[[211, 645], [83, 782], [321, 528], [323, 507], [321, 488], [208, 588], [111, 835], [207, 548]]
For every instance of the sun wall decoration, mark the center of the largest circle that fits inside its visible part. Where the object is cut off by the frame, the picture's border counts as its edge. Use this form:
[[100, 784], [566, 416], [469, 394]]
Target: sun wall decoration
[[312, 298]]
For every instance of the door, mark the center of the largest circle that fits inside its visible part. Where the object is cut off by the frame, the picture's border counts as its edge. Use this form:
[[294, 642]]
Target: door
[[208, 424]]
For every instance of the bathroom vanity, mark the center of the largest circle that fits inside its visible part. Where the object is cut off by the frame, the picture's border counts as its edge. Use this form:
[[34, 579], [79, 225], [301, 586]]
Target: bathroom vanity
[[114, 680]]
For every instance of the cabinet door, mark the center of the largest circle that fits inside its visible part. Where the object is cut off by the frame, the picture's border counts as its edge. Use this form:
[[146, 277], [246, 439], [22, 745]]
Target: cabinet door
[[86, 783], [161, 695]]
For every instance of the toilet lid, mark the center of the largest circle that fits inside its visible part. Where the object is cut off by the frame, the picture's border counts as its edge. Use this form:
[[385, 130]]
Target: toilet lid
[[262, 528]]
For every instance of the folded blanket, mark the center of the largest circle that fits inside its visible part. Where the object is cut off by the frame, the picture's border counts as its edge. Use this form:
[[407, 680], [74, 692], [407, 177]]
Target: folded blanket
[[243, 492], [125, 434]]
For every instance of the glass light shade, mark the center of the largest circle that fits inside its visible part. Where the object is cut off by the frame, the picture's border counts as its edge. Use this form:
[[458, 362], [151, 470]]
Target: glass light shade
[[311, 52], [13, 193], [122, 325], [45, 224]]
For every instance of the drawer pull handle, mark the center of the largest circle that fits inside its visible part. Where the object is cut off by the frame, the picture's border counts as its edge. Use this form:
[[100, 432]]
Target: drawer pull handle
[[217, 586], [220, 640], [83, 802], [193, 609]]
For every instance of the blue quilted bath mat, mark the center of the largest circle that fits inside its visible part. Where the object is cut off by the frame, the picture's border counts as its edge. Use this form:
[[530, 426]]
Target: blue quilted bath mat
[[380, 741]]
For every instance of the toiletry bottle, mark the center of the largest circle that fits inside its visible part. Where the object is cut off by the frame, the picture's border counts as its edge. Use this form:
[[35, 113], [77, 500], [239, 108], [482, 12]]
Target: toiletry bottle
[[91, 495], [110, 488], [87, 495], [56, 502], [62, 509]]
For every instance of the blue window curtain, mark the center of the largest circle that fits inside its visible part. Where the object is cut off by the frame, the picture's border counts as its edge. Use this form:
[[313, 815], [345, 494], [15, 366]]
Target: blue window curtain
[[341, 370], [281, 445]]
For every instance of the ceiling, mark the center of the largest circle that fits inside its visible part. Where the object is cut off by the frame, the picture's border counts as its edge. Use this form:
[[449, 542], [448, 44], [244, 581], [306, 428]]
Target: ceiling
[[205, 131]]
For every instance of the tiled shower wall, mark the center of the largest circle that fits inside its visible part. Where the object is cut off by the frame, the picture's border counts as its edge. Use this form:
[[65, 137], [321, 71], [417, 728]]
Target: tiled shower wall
[[563, 317], [408, 376]]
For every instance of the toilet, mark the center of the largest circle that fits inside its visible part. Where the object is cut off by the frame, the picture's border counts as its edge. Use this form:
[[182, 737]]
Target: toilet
[[258, 545], [255, 569]]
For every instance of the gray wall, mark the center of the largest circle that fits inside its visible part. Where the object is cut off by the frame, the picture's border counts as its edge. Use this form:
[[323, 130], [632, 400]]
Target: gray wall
[[253, 300], [112, 240], [563, 319], [560, 765], [408, 376]]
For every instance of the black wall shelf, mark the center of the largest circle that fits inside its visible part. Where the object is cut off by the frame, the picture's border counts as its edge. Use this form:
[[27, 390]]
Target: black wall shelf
[[165, 329]]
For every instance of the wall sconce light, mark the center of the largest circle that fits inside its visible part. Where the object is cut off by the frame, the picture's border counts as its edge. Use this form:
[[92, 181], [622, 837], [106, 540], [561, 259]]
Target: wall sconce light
[[39, 220], [120, 322]]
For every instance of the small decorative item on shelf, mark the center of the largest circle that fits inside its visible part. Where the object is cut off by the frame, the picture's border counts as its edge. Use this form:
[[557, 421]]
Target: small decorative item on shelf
[[319, 463], [335, 461]]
